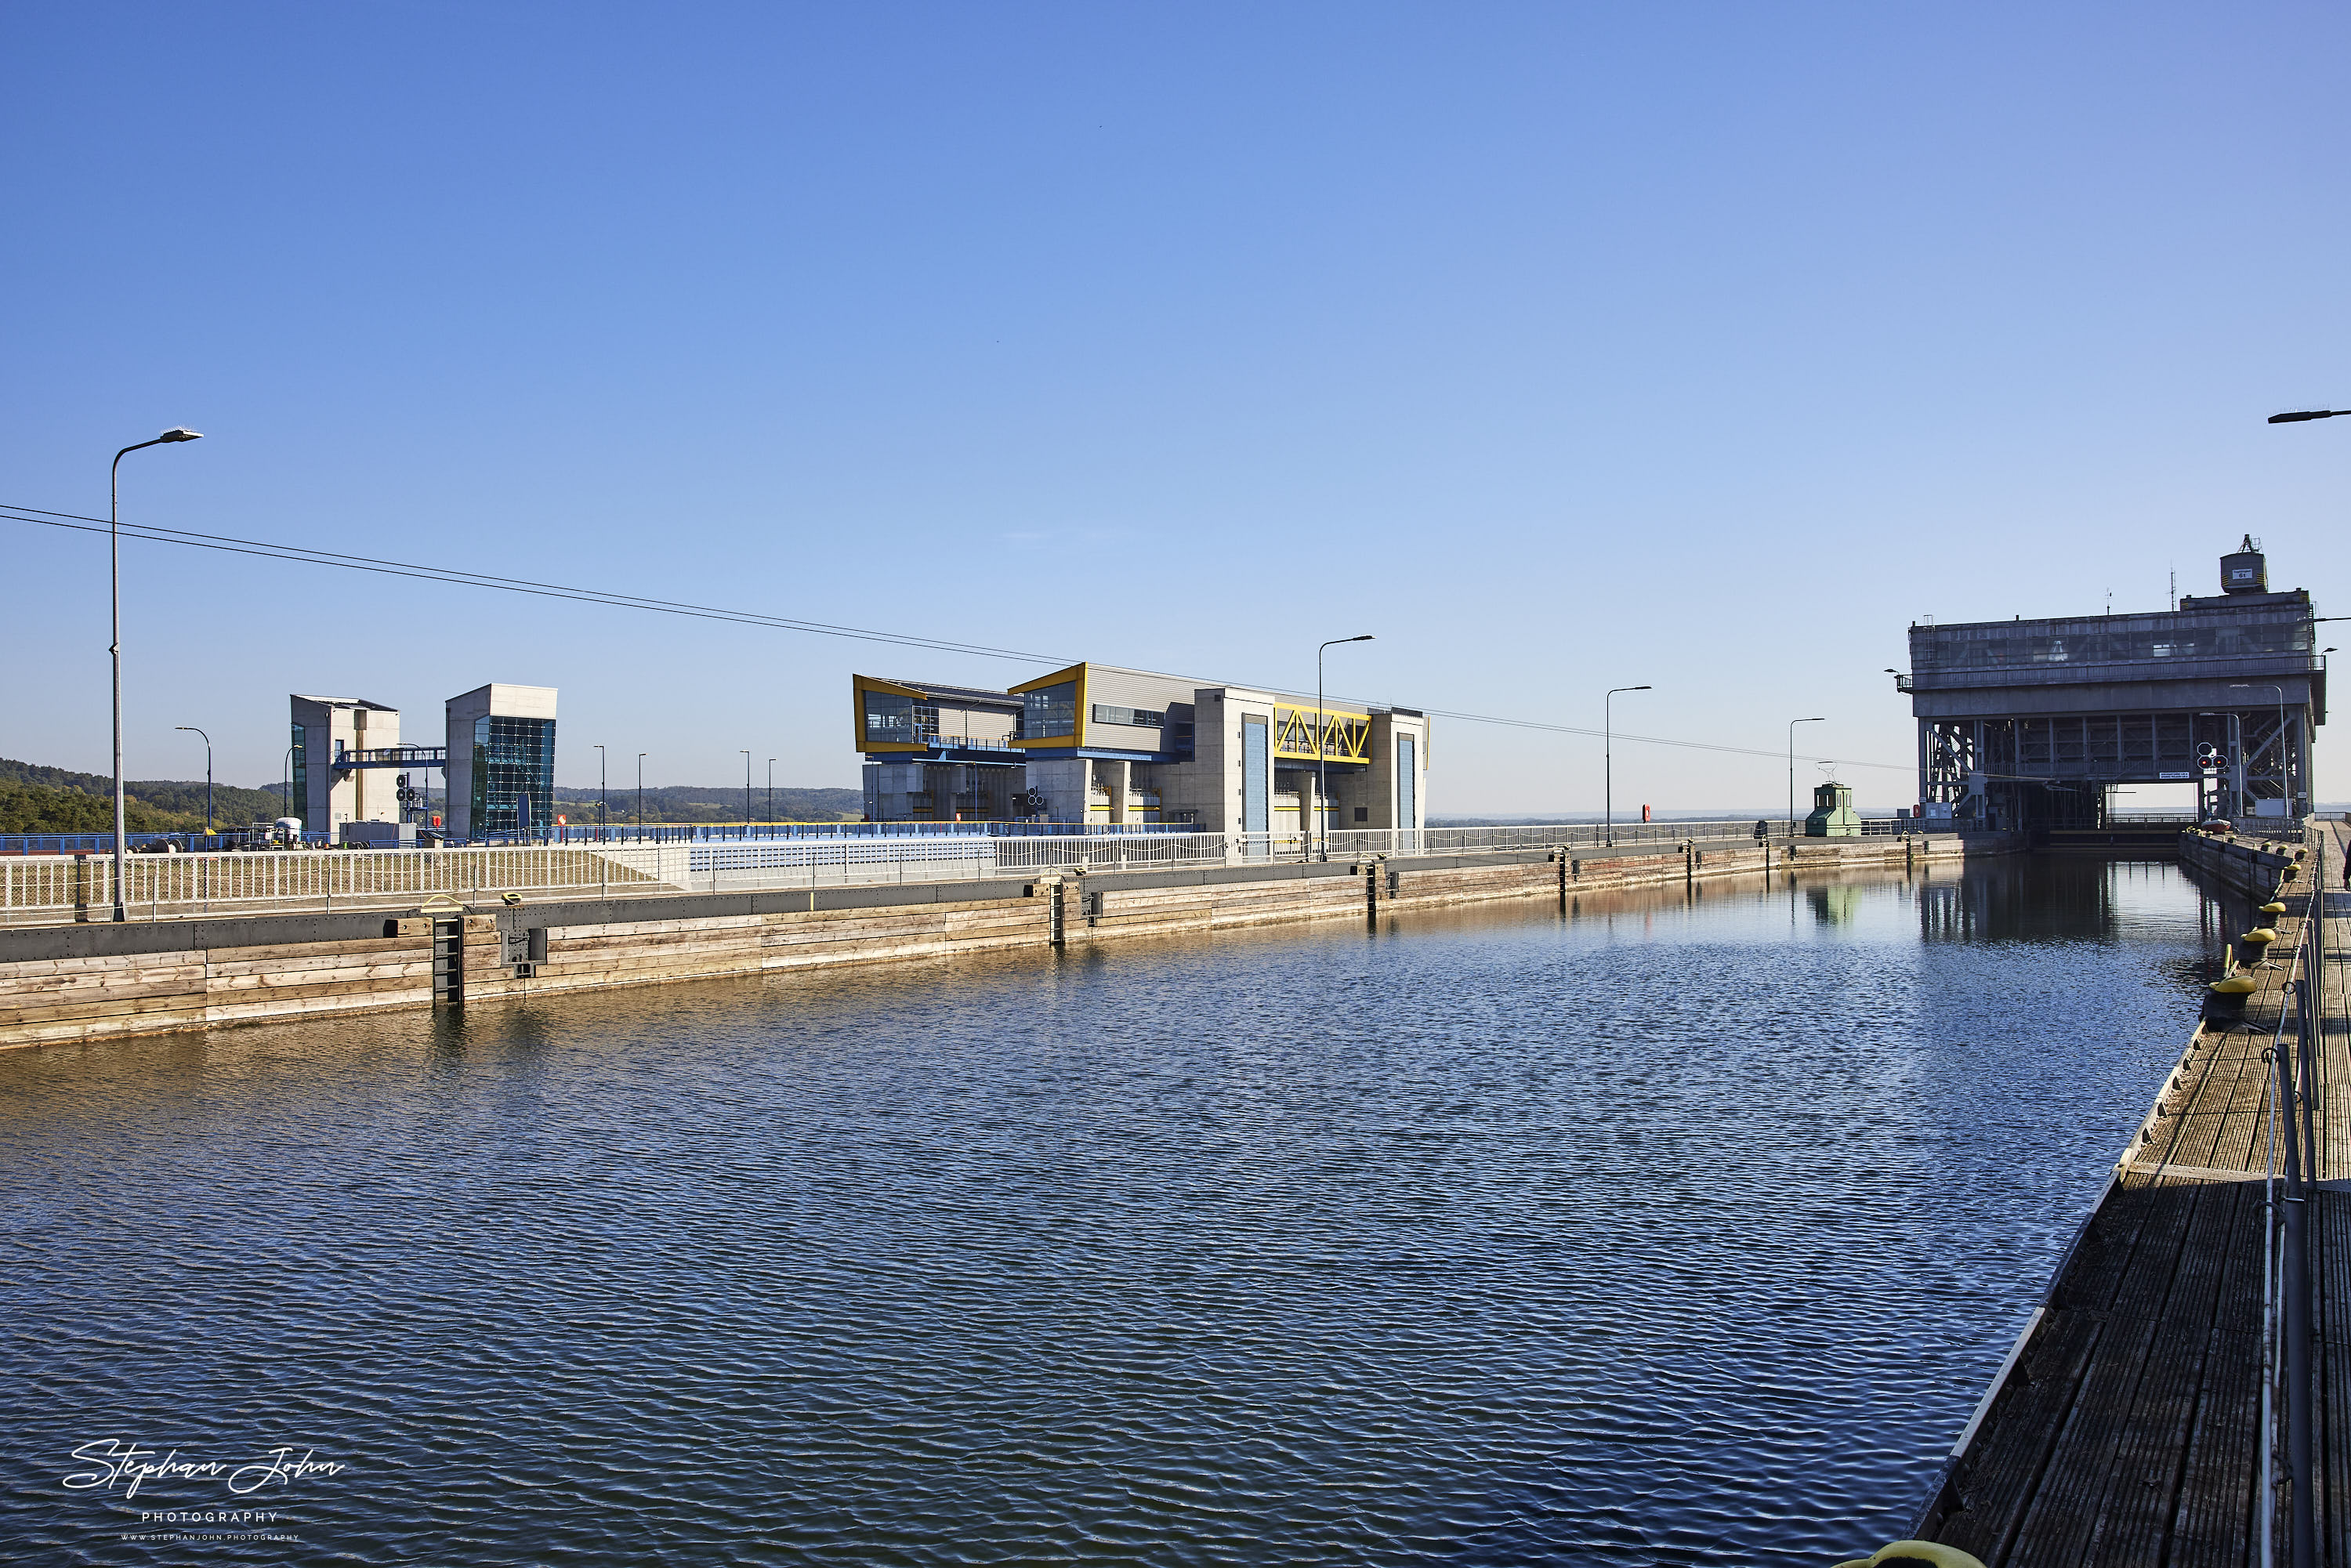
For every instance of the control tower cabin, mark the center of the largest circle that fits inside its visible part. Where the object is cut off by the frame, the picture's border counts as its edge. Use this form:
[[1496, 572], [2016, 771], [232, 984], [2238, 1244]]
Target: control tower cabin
[[2025, 724]]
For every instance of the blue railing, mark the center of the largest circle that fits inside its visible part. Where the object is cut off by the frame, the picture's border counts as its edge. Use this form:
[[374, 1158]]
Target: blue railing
[[103, 843], [738, 833], [617, 833]]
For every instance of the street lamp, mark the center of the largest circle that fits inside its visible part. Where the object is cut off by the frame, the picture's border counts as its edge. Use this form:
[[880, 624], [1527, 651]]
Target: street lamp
[[746, 792], [641, 794], [1608, 764], [208, 774], [2309, 413], [603, 818], [1791, 770], [771, 788], [2285, 782], [1322, 732], [114, 573]]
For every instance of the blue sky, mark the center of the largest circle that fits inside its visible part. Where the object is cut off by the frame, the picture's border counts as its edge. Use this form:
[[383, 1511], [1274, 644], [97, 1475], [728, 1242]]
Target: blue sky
[[1562, 347]]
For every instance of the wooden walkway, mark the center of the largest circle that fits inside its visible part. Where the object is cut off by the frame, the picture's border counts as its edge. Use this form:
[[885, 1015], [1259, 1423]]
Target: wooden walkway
[[2127, 1430]]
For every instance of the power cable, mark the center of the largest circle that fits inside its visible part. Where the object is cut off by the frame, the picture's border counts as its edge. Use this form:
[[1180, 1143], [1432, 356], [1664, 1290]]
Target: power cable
[[268, 551]]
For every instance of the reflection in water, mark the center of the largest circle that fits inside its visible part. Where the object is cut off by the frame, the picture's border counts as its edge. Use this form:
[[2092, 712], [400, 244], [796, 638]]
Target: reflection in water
[[2050, 897], [1673, 1227], [1834, 903]]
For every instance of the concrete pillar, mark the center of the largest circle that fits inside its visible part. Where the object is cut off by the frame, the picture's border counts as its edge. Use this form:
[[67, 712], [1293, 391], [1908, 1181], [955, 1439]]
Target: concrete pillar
[[1116, 775]]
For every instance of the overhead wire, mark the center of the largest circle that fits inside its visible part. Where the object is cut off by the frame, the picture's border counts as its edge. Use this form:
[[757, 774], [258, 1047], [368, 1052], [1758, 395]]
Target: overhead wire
[[305, 555]]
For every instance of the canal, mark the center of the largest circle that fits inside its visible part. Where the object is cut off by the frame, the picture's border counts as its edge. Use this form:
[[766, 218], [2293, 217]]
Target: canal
[[1684, 1229]]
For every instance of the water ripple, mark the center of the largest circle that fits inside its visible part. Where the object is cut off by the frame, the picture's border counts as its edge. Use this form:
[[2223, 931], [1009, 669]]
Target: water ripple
[[1683, 1230]]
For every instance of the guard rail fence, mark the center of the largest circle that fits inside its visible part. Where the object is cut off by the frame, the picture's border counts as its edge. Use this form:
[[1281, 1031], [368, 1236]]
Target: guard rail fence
[[43, 889]]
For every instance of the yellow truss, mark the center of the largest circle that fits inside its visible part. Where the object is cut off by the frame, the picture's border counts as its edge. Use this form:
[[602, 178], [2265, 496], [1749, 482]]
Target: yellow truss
[[1347, 736]]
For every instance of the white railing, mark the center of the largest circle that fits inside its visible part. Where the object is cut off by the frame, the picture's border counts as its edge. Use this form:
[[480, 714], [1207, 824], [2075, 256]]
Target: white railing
[[46, 889]]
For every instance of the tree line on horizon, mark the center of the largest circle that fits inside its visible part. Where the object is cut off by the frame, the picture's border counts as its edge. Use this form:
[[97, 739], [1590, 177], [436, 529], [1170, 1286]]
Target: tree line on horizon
[[35, 799]]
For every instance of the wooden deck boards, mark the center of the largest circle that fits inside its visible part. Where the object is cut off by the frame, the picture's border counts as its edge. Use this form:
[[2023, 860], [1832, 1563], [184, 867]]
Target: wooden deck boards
[[2127, 1433]]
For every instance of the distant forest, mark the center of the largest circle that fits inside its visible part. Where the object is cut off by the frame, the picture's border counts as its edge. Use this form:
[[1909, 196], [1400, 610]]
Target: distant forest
[[39, 799], [691, 803]]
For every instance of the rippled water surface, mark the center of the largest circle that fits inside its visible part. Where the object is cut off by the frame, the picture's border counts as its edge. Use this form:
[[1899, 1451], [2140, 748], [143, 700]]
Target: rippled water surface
[[1670, 1230]]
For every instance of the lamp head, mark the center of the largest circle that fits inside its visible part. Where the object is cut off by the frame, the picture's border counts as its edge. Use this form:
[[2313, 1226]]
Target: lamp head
[[1366, 637], [180, 432], [2306, 413]]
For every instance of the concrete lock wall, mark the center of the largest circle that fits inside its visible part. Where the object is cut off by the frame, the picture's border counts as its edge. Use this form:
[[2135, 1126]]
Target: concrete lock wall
[[76, 983], [2255, 867]]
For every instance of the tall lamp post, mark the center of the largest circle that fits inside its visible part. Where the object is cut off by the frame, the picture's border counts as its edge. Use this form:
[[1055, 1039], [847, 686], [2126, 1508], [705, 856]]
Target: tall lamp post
[[771, 788], [208, 774], [640, 793], [1322, 747], [746, 792], [1608, 764], [2285, 776], [1792, 767], [114, 575], [603, 818]]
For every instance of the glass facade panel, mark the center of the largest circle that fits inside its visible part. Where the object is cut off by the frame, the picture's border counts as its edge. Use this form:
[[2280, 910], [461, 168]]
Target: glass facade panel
[[1049, 711], [1257, 777], [301, 775], [1407, 781], [889, 718], [514, 760]]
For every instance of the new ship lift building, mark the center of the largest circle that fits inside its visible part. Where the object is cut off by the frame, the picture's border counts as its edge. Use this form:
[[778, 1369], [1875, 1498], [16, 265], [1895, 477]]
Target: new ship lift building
[[1095, 744], [2032, 724], [354, 780], [501, 759], [335, 776]]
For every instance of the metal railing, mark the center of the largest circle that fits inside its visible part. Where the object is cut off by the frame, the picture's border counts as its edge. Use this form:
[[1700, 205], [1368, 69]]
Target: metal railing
[[39, 889], [621, 833]]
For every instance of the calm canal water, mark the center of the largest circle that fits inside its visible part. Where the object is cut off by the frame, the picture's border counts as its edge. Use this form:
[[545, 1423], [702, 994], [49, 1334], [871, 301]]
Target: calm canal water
[[1677, 1231]]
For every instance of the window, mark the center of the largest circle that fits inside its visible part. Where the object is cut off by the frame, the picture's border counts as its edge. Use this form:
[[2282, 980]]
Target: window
[[1049, 712], [1257, 808], [889, 718], [513, 773], [1149, 718], [301, 774], [1362, 813]]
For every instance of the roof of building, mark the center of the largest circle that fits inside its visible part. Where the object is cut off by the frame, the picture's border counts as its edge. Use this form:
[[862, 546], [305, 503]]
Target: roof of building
[[953, 693]]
